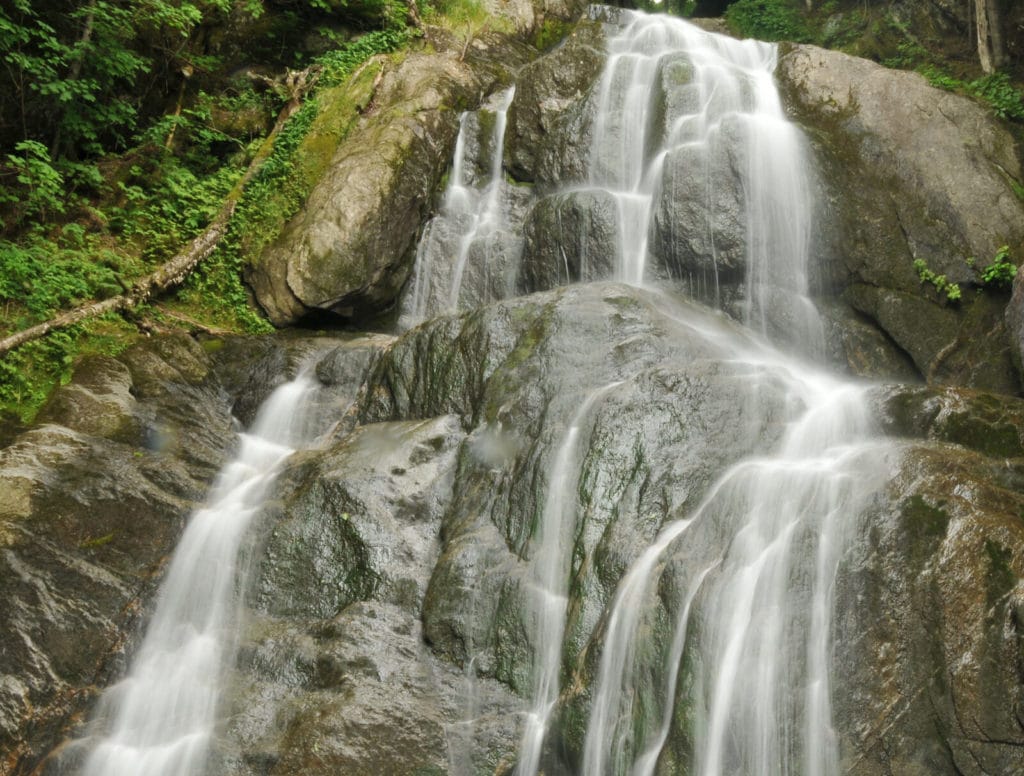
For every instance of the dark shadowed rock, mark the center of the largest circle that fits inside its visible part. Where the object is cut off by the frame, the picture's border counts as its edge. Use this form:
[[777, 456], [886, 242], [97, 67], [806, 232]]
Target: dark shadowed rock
[[548, 122], [570, 237]]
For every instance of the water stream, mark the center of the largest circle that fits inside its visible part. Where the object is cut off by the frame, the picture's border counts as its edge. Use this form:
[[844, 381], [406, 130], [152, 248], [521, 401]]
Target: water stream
[[160, 719], [466, 256], [762, 551], [756, 562]]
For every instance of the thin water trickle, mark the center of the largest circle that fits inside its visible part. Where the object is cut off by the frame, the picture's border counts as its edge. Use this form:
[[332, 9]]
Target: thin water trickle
[[160, 719], [549, 594], [470, 235]]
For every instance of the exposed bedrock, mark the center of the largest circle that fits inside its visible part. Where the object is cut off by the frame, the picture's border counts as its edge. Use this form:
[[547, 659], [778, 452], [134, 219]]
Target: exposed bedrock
[[912, 173]]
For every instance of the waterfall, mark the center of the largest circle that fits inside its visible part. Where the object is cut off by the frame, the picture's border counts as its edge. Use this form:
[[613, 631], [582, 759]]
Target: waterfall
[[160, 719], [682, 116], [679, 112], [553, 541], [465, 256]]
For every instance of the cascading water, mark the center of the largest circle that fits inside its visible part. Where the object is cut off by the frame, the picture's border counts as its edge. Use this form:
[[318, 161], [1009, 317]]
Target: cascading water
[[553, 542], [755, 617], [160, 719], [463, 258], [674, 97], [745, 670]]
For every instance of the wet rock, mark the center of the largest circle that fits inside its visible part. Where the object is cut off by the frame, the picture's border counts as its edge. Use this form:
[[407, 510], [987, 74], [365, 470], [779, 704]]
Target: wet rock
[[361, 693], [94, 498], [516, 373], [877, 133], [860, 348], [547, 141], [699, 221], [358, 521], [335, 673], [933, 593], [1015, 321], [352, 260], [570, 238]]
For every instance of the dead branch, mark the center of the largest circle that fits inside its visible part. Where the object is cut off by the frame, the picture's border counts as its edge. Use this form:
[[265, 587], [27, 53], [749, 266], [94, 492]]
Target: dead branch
[[174, 272]]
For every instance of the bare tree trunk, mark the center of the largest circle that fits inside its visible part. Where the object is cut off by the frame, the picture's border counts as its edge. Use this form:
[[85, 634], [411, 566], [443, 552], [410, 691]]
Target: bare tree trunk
[[991, 53]]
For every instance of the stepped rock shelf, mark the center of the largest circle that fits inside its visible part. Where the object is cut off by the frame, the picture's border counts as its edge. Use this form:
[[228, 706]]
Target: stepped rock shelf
[[615, 497]]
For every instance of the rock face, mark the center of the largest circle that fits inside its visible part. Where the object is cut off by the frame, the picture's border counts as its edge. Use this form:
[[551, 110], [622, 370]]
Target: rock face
[[94, 497], [940, 687], [877, 135], [548, 123], [420, 523], [349, 251], [93, 500], [570, 238]]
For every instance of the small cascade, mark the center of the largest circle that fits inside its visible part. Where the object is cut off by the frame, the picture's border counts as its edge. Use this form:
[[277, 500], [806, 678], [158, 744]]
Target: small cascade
[[467, 254], [160, 719], [692, 120], [549, 595], [758, 559]]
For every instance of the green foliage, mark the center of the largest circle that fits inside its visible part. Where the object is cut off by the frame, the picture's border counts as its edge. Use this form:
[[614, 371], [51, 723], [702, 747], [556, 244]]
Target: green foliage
[[41, 274], [42, 192], [339, 64], [1001, 271], [30, 373], [768, 20], [996, 89], [950, 290], [77, 75], [1006, 101]]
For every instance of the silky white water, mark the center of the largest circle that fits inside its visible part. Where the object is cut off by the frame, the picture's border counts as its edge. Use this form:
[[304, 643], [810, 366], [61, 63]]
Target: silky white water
[[669, 88], [549, 594], [160, 719], [756, 562], [469, 236]]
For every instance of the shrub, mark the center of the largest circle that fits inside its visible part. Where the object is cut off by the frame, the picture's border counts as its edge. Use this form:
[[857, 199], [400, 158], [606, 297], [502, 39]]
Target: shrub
[[768, 20]]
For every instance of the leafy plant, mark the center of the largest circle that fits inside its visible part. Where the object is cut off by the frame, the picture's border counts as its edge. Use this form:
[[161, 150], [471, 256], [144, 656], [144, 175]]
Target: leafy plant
[[768, 20], [1001, 271], [950, 290], [43, 186], [996, 89]]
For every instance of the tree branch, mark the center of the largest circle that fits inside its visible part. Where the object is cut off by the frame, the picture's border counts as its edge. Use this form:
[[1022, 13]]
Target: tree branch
[[174, 272]]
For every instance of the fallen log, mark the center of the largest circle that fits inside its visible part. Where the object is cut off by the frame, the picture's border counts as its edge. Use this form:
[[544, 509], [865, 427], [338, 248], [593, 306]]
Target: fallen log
[[173, 272]]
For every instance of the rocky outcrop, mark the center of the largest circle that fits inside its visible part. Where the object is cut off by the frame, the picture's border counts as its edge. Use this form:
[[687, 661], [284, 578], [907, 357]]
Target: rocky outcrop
[[570, 238], [93, 499], [933, 590], [877, 134], [335, 675], [547, 140], [349, 250]]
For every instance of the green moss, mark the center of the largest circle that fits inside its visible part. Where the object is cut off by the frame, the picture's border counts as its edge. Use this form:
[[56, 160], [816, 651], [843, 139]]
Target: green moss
[[923, 523], [89, 544], [550, 33], [996, 438]]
